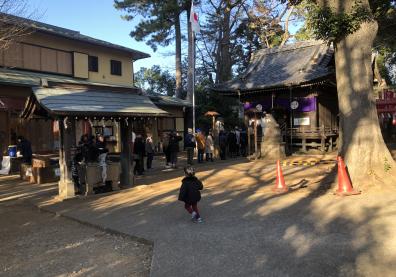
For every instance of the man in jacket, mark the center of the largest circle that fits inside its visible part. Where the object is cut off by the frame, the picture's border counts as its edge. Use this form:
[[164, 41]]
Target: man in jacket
[[174, 140], [189, 144], [149, 150]]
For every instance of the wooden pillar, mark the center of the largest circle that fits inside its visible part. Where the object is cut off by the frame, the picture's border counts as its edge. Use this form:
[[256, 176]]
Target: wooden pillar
[[304, 144], [126, 178], [323, 139], [248, 134], [67, 139]]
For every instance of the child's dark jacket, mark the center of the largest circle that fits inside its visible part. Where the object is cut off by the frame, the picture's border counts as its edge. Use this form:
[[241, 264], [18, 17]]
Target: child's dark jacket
[[190, 190]]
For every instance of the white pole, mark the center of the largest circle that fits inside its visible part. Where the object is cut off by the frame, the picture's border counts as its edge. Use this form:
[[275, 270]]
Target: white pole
[[193, 79]]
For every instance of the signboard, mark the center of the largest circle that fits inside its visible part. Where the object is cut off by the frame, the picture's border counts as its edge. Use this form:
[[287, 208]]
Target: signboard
[[302, 121]]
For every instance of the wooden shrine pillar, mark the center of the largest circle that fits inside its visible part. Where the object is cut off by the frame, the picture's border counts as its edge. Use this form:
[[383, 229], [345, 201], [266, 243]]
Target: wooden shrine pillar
[[67, 137], [126, 178], [248, 133]]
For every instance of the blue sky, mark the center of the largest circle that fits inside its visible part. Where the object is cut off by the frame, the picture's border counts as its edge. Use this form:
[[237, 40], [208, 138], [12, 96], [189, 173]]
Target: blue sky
[[99, 19]]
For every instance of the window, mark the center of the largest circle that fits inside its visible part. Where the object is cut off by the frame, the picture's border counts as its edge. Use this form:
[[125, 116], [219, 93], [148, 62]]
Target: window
[[93, 64], [115, 67]]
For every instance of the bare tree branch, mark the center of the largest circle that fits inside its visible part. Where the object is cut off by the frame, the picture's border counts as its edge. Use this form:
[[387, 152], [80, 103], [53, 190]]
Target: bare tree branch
[[13, 24]]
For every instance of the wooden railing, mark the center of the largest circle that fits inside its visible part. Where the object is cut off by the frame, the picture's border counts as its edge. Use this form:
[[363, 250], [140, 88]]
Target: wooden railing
[[318, 137], [316, 132]]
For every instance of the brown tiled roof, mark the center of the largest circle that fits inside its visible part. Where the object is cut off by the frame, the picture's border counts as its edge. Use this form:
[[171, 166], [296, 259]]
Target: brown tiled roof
[[290, 65]]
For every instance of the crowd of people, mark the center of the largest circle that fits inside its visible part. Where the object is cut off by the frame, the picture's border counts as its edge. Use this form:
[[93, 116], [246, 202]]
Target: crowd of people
[[90, 149], [203, 144]]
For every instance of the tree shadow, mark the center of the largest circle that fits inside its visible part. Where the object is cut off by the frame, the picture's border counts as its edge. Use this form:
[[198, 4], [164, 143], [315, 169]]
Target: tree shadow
[[308, 229]]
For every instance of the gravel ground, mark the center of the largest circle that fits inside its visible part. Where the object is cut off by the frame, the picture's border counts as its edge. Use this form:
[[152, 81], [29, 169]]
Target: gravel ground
[[35, 243]]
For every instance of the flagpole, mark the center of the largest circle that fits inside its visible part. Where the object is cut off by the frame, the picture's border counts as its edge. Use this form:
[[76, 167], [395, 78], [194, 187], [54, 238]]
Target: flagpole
[[193, 80]]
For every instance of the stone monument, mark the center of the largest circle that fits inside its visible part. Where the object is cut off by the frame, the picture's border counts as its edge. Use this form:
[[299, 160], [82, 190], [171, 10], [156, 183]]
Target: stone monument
[[272, 146]]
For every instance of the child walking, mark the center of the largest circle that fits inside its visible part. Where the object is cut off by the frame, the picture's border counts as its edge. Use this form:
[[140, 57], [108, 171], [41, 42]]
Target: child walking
[[190, 193]]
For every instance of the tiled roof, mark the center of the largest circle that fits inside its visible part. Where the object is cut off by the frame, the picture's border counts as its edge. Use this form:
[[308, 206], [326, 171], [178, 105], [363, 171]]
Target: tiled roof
[[90, 102], [165, 100], [290, 65], [70, 34]]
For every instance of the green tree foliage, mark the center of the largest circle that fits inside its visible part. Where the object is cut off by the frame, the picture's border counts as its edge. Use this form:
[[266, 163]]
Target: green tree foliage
[[154, 80], [157, 21], [159, 25]]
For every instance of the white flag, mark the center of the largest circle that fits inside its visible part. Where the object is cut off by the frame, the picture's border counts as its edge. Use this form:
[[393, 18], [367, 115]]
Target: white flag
[[194, 19]]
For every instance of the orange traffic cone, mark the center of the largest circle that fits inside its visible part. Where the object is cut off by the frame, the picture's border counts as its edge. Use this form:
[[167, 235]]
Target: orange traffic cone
[[280, 185], [344, 183]]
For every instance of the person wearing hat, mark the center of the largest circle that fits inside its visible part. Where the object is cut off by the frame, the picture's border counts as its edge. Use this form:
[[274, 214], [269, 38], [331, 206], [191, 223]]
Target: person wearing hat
[[190, 193]]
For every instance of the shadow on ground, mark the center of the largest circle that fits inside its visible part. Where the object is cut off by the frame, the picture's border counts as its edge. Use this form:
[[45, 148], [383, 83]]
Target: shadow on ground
[[249, 230]]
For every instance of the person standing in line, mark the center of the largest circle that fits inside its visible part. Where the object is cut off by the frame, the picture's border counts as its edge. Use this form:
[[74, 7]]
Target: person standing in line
[[189, 145], [25, 147], [149, 151], [223, 144], [201, 145], [102, 151], [244, 142], [165, 149], [232, 143], [139, 151], [238, 141], [209, 146], [190, 193], [174, 148]]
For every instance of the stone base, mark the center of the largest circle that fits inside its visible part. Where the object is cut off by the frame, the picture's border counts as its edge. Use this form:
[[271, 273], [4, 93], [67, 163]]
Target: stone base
[[272, 151], [66, 189]]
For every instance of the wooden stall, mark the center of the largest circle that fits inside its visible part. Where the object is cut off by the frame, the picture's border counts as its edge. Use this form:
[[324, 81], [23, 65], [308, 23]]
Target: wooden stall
[[69, 107]]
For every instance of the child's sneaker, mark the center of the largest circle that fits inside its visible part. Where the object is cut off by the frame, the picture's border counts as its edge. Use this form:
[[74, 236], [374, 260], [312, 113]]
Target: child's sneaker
[[193, 215], [199, 220]]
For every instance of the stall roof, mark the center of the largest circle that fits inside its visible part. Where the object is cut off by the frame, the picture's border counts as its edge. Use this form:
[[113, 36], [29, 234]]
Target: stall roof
[[164, 100], [89, 102], [34, 79], [294, 64]]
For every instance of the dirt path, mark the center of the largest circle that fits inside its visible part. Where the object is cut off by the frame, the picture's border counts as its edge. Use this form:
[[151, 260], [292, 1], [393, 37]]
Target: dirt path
[[250, 231], [35, 243]]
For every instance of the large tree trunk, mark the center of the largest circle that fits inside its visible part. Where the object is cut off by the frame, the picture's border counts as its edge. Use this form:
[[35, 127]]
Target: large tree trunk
[[179, 89], [362, 145], [225, 55]]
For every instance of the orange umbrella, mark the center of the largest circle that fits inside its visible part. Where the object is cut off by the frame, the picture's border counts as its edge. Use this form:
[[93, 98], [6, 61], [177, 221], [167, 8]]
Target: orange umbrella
[[213, 114]]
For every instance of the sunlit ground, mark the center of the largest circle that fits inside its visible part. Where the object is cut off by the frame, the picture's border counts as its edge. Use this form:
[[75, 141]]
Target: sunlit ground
[[248, 229]]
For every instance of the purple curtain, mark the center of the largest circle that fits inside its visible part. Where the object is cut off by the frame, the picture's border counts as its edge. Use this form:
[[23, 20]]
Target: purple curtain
[[307, 104]]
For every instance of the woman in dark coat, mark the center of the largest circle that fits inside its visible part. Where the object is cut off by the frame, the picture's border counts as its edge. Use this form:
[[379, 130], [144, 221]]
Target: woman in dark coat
[[173, 146], [25, 148], [139, 150], [190, 193]]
